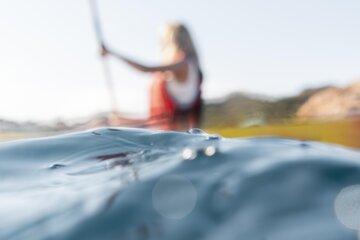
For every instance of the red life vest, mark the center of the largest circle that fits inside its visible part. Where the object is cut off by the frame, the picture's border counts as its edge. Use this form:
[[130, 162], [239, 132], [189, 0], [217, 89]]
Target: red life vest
[[164, 109]]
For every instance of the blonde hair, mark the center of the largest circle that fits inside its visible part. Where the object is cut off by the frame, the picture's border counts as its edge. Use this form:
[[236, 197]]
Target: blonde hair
[[176, 37]]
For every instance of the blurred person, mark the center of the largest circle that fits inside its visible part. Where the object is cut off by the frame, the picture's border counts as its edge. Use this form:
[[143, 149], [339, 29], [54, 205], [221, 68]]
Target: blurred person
[[175, 93]]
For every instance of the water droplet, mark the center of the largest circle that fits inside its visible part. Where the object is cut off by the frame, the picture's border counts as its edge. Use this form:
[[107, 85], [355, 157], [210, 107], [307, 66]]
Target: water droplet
[[213, 137], [196, 131], [57, 166], [304, 144]]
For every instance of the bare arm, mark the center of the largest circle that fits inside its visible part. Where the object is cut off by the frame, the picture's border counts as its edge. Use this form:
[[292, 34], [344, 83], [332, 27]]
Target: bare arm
[[144, 68]]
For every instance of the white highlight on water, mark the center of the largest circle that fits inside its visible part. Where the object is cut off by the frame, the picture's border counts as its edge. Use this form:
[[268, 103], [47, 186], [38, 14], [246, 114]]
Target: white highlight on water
[[210, 151], [189, 154], [174, 197], [347, 207]]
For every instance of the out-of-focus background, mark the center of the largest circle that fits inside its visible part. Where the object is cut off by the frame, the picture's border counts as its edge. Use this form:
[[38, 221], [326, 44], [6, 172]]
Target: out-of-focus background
[[288, 68]]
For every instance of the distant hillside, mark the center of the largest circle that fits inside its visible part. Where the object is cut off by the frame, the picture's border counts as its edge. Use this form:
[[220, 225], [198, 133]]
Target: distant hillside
[[333, 102], [237, 109], [240, 109], [233, 110], [12, 126]]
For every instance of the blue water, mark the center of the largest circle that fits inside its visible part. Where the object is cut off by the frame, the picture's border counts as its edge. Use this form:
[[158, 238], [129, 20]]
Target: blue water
[[140, 184]]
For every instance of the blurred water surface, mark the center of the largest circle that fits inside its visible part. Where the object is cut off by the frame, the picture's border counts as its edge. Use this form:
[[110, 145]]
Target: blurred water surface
[[140, 184]]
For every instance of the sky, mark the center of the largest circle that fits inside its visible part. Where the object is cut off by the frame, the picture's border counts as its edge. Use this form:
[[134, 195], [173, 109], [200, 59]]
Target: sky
[[50, 67]]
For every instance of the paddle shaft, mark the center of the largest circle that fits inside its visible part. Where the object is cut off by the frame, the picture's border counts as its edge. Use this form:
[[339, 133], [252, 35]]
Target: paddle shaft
[[105, 63]]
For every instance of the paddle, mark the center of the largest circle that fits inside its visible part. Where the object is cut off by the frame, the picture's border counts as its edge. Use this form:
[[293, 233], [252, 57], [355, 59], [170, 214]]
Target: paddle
[[106, 67]]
